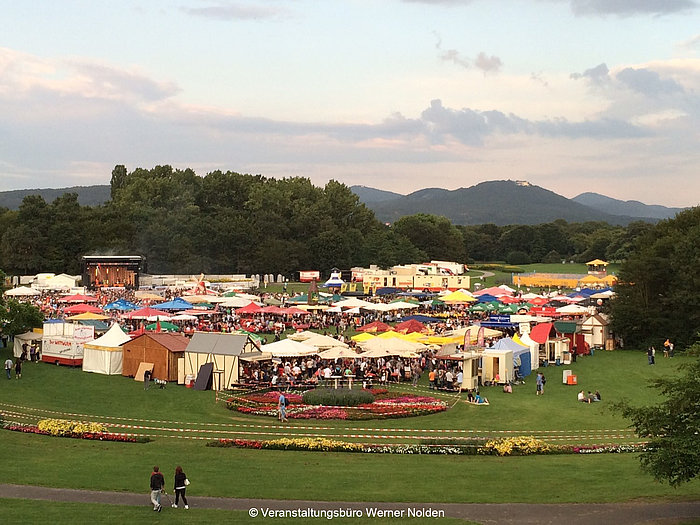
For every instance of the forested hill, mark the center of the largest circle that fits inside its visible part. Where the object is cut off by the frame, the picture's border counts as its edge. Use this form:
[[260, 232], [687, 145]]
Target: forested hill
[[496, 202], [87, 195]]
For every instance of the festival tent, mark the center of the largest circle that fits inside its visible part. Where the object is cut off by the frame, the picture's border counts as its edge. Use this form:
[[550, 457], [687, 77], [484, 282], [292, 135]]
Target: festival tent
[[380, 307], [160, 349], [338, 352], [121, 304], [474, 332], [289, 348], [88, 316], [22, 291], [147, 313], [27, 338], [402, 305], [165, 326], [176, 304], [362, 337], [323, 341], [572, 309], [458, 297], [235, 302], [394, 345], [104, 355], [410, 326], [353, 302], [223, 353], [184, 317], [81, 308], [423, 318], [376, 326], [294, 311], [250, 308], [335, 281], [300, 336], [524, 339]]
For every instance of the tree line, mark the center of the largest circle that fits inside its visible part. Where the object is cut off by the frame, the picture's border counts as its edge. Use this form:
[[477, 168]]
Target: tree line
[[226, 222]]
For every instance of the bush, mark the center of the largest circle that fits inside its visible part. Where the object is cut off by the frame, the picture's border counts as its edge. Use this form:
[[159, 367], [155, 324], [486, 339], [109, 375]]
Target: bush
[[337, 398], [517, 257]]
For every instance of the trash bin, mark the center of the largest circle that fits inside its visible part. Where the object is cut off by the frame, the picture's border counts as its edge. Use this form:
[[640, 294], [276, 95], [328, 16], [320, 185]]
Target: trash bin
[[557, 362], [189, 381]]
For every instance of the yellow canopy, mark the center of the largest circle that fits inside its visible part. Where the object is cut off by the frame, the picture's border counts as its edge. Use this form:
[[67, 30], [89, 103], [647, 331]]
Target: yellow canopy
[[361, 337], [458, 297], [88, 316]]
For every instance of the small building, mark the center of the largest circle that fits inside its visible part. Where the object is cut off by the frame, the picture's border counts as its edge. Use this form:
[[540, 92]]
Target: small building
[[226, 353], [496, 366], [596, 331], [159, 348]]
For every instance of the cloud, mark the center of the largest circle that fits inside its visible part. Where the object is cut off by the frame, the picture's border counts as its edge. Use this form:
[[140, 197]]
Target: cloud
[[234, 11], [596, 75], [647, 82], [598, 7], [631, 7], [483, 62]]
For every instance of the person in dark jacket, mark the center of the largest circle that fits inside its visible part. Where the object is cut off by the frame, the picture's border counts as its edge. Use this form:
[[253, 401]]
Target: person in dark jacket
[[181, 483], [157, 484]]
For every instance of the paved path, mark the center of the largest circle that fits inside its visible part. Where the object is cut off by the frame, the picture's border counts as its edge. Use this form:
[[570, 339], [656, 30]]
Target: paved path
[[486, 513]]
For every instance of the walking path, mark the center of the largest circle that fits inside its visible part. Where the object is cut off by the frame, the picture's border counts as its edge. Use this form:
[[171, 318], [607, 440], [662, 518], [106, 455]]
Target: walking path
[[485, 513]]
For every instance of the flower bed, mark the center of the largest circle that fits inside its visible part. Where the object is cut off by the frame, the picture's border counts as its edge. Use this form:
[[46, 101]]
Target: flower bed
[[499, 447], [58, 430], [386, 405]]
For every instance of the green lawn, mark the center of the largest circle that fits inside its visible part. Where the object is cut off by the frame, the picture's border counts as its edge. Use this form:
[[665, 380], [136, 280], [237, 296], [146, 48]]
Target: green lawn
[[73, 463]]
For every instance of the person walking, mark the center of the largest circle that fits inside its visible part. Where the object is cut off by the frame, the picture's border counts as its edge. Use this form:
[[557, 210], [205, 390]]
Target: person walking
[[540, 384], [180, 486], [18, 368], [282, 408], [8, 368], [157, 484]]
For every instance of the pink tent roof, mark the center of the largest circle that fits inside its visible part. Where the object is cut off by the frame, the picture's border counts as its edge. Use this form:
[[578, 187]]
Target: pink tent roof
[[272, 309], [540, 332], [292, 310], [376, 326], [146, 312], [410, 326], [250, 308], [81, 309], [78, 298]]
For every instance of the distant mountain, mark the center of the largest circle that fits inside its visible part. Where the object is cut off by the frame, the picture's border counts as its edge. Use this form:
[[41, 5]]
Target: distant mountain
[[87, 195], [498, 202], [368, 195], [630, 208]]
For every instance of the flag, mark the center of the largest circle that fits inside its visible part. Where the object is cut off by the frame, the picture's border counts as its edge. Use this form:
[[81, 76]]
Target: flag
[[480, 337], [158, 324]]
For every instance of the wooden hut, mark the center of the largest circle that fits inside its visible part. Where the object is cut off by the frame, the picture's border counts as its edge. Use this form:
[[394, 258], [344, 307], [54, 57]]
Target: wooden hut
[[160, 348], [596, 330], [224, 351]]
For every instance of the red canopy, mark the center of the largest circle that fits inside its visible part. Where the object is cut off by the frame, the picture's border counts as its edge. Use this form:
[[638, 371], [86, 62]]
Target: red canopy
[[293, 310], [78, 298], [410, 326], [538, 301], [81, 309], [272, 309], [376, 326], [250, 308], [540, 332], [145, 313]]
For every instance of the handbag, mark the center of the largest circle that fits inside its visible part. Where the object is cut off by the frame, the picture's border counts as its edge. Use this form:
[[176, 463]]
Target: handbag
[[187, 481]]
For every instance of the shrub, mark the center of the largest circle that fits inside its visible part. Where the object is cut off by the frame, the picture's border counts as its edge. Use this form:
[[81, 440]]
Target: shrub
[[63, 427], [338, 398], [515, 446]]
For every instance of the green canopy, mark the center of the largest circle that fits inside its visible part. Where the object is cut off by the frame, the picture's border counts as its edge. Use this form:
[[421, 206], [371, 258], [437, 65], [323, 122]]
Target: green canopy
[[165, 326]]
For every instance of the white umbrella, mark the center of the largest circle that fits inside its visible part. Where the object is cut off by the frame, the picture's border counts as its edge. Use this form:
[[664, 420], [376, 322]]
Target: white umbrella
[[338, 352], [183, 317], [288, 348], [323, 341]]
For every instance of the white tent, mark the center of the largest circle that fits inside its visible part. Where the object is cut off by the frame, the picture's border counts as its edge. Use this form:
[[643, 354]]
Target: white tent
[[289, 348], [22, 291], [27, 338], [321, 341], [104, 354]]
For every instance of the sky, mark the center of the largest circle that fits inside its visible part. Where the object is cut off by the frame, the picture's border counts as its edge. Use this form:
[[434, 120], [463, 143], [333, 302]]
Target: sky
[[399, 95]]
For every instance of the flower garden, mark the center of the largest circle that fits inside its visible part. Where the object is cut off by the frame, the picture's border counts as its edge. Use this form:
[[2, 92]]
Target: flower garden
[[386, 405], [73, 429]]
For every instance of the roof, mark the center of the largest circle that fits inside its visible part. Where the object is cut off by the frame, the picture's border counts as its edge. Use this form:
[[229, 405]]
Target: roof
[[596, 319], [566, 327], [172, 342], [597, 262], [219, 344]]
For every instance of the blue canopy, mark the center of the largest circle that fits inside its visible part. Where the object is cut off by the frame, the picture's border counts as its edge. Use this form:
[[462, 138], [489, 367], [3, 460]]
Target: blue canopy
[[422, 318], [121, 304], [176, 304], [487, 298], [521, 354]]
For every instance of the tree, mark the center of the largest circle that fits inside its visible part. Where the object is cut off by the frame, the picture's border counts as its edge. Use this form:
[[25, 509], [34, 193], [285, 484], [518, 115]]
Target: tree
[[672, 426], [657, 293], [17, 317], [118, 180]]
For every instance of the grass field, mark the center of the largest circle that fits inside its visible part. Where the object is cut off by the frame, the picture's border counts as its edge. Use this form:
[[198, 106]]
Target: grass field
[[556, 417]]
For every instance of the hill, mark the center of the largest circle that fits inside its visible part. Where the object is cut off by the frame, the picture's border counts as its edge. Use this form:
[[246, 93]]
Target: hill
[[367, 194], [630, 208], [498, 202], [87, 195]]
